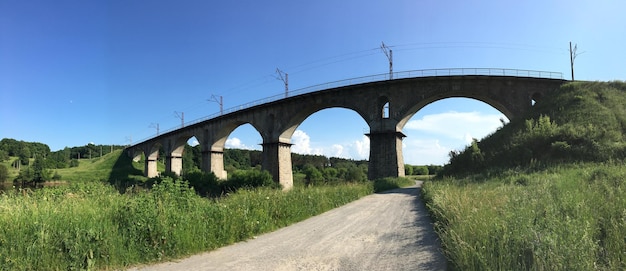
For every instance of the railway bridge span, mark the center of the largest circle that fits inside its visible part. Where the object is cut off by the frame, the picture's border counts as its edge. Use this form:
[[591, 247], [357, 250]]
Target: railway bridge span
[[385, 104]]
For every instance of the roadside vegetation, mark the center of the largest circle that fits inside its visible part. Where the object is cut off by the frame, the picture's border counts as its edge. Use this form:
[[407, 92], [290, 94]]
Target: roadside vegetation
[[545, 192], [106, 215]]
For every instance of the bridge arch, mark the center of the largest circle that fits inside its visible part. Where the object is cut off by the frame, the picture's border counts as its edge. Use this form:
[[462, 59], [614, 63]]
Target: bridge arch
[[298, 119], [344, 120], [417, 107], [509, 91], [447, 125], [213, 155]]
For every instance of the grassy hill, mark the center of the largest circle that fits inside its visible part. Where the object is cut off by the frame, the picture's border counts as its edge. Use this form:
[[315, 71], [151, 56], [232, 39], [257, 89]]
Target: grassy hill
[[581, 122], [545, 192], [111, 166]]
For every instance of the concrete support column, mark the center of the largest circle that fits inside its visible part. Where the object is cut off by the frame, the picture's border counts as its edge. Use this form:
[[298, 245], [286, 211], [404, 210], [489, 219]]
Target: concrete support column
[[277, 160], [385, 154], [213, 161], [150, 168], [174, 164]]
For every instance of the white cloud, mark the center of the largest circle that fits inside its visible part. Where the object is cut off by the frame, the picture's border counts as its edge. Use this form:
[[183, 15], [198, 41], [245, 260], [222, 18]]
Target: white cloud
[[301, 142], [362, 148], [235, 143], [424, 152], [337, 150], [438, 134], [457, 125], [357, 149]]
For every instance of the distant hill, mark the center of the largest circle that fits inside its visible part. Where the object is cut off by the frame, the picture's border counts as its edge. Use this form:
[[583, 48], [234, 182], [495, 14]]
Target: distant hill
[[581, 122]]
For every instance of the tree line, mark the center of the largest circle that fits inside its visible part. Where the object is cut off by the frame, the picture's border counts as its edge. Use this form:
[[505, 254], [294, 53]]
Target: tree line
[[35, 160]]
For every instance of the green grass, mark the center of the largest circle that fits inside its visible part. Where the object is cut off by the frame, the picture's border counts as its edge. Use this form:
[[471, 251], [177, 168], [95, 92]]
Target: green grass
[[545, 192], [12, 171], [564, 218], [90, 225], [115, 165]]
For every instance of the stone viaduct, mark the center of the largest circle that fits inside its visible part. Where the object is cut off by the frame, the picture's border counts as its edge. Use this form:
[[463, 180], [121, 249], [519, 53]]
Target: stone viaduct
[[277, 120]]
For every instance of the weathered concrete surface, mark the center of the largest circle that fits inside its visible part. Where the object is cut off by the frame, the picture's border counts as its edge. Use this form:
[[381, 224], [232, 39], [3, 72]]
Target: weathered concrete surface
[[388, 231]]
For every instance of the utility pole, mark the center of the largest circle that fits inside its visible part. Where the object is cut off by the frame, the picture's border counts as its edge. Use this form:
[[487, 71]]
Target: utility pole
[[220, 102], [285, 80], [155, 125], [389, 53], [181, 116], [572, 56]]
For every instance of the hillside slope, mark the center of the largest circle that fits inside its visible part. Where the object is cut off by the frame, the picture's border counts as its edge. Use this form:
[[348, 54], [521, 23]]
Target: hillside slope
[[115, 165], [581, 122]]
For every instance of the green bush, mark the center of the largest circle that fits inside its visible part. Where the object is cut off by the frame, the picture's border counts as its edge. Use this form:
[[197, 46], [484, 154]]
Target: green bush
[[248, 179]]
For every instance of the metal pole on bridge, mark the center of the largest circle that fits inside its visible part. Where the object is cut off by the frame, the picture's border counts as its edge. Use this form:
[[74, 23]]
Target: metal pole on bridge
[[155, 125], [284, 79], [220, 102], [181, 116], [389, 53]]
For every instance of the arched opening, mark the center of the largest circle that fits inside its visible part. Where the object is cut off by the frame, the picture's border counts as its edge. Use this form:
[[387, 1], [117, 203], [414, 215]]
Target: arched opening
[[241, 149], [383, 102], [446, 125], [192, 156], [535, 98], [330, 146]]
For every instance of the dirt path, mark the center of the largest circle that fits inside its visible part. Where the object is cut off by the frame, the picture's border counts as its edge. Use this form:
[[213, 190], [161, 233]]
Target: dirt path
[[387, 231]]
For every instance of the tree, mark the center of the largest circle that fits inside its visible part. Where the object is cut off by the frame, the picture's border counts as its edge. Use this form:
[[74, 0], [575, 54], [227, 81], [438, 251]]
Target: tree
[[313, 175], [355, 174], [330, 174], [420, 170], [4, 155], [24, 154], [25, 175], [4, 173], [40, 174], [408, 170]]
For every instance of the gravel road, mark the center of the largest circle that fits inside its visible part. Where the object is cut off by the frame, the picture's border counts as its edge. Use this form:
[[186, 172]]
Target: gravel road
[[386, 231]]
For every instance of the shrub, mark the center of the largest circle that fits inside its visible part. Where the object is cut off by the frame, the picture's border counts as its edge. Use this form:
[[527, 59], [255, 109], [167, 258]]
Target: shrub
[[204, 183], [4, 173], [421, 170], [248, 179], [313, 175]]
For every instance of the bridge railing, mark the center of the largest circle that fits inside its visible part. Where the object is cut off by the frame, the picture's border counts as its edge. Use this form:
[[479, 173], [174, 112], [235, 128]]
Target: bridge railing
[[376, 78]]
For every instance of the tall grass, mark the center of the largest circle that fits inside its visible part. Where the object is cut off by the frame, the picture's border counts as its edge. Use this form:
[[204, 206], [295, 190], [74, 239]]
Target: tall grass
[[92, 226], [567, 218]]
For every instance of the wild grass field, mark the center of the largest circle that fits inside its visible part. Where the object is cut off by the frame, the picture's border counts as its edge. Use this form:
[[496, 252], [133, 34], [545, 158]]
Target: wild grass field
[[545, 192], [564, 218], [91, 225]]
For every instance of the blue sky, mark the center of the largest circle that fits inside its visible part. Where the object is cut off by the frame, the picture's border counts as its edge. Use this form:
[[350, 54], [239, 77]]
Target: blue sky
[[74, 72]]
